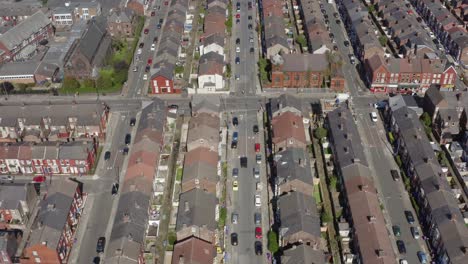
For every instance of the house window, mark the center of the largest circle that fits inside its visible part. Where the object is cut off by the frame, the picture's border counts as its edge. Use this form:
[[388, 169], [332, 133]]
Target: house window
[[297, 77]]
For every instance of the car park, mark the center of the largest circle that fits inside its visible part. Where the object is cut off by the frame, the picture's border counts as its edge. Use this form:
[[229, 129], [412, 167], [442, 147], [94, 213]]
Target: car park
[[101, 244], [422, 257], [235, 172], [234, 239], [258, 201], [235, 218], [395, 175], [258, 248], [415, 232], [409, 217], [258, 232], [107, 155], [235, 185], [401, 246], [258, 218], [373, 116], [396, 230]]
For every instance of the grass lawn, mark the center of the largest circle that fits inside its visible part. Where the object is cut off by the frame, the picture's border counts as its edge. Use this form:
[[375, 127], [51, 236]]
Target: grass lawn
[[109, 72], [317, 196]]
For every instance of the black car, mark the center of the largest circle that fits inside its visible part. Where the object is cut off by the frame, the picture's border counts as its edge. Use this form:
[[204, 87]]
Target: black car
[[255, 129], [395, 175], [107, 155], [96, 260], [159, 26], [243, 162], [237, 60], [249, 5], [335, 15], [234, 239], [252, 50], [155, 39], [141, 45], [132, 121], [335, 47], [101, 244], [338, 21], [237, 41], [346, 43], [125, 150], [161, 21], [249, 17], [325, 16], [235, 121], [331, 35], [250, 26], [401, 246], [234, 144], [147, 68], [323, 11], [128, 139], [115, 188], [258, 248], [409, 217]]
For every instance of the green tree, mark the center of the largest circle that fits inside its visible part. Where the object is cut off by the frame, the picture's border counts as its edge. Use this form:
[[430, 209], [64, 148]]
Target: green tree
[[222, 217], [371, 8], [70, 83], [426, 119], [320, 133], [301, 40], [272, 242], [171, 238], [120, 76], [324, 217], [179, 69], [228, 70], [89, 83], [262, 65], [104, 82], [383, 40]]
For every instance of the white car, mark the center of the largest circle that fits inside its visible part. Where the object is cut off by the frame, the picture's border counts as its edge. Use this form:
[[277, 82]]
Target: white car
[[153, 46], [258, 202], [145, 77], [237, 49], [373, 116], [139, 51]]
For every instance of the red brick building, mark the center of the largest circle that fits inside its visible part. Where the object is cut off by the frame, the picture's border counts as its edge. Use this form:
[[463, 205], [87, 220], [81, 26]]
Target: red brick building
[[408, 75], [305, 71], [161, 84]]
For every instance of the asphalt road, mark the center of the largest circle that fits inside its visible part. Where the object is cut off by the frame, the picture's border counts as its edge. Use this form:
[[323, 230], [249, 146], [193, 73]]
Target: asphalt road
[[395, 198], [247, 68]]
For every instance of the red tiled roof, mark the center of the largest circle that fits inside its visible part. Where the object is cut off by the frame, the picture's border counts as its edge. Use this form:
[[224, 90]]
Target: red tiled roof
[[194, 251], [288, 125], [201, 155]]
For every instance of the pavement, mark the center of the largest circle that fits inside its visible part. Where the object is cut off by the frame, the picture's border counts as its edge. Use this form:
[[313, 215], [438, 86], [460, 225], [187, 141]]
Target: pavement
[[392, 194]]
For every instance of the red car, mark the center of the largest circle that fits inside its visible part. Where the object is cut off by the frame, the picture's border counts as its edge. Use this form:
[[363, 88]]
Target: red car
[[146, 31], [237, 15], [166, 3], [257, 147], [39, 179], [153, 13], [258, 232], [150, 61]]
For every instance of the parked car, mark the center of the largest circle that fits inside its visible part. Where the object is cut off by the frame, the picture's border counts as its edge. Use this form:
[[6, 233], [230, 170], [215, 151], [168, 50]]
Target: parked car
[[132, 121], [255, 129], [115, 188], [256, 172], [409, 217], [258, 218], [258, 158], [101, 244], [235, 121], [6, 178], [374, 116], [249, 17], [235, 218], [395, 175], [153, 13], [401, 246], [415, 232], [346, 43], [107, 155], [153, 47], [234, 239], [258, 200], [96, 260], [235, 136], [235, 186], [237, 60], [258, 232], [237, 49], [237, 41], [141, 45], [146, 31], [396, 230], [235, 172], [243, 162], [257, 147], [422, 257], [125, 150], [128, 139], [155, 39], [258, 248], [252, 50], [234, 144]]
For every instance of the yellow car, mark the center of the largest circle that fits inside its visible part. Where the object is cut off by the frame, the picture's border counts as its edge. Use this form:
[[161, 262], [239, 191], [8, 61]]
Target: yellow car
[[235, 186]]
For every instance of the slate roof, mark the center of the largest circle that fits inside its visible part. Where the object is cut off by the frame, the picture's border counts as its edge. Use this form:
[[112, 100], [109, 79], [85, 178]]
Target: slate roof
[[292, 164], [285, 101], [298, 213], [124, 15], [91, 40], [197, 208], [211, 63], [200, 170], [19, 68], [302, 254], [345, 135], [24, 30], [12, 195]]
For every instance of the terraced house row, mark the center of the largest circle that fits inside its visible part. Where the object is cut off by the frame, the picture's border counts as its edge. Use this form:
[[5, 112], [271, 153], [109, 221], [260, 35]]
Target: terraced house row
[[369, 235], [211, 66], [439, 213], [299, 231], [163, 79], [198, 210], [446, 27], [274, 38], [131, 222]]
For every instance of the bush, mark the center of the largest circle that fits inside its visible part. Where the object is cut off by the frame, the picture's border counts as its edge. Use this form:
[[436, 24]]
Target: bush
[[222, 217], [70, 83], [324, 217], [426, 119], [320, 133], [272, 242], [171, 238], [88, 83], [104, 82], [391, 138], [301, 40], [398, 161]]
